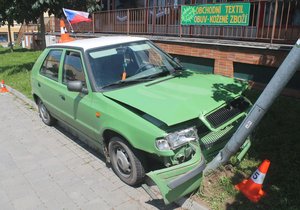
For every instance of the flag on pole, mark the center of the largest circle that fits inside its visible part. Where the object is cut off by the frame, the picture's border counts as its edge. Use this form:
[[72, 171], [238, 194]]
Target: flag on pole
[[74, 16]]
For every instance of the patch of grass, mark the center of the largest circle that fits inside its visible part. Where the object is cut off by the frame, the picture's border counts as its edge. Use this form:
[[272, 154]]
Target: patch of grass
[[15, 68], [277, 138]]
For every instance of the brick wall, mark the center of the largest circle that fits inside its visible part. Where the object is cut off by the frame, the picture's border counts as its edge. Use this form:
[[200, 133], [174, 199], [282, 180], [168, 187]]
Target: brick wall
[[224, 56]]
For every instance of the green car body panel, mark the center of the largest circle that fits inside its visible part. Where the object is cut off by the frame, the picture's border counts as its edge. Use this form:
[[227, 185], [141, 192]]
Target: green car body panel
[[144, 112], [165, 176]]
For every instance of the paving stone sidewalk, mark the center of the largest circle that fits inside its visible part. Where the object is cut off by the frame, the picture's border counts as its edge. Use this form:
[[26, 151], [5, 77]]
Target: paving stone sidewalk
[[43, 167]]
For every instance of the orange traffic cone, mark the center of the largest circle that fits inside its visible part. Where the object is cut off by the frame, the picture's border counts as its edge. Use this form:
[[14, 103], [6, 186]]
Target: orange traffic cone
[[64, 35], [3, 87], [252, 188]]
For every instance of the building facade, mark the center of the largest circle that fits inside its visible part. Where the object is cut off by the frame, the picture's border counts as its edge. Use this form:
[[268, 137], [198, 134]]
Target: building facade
[[252, 52], [4, 35]]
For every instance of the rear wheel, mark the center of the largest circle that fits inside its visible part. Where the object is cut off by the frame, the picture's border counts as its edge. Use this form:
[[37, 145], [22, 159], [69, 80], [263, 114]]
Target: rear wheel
[[125, 161], [45, 114]]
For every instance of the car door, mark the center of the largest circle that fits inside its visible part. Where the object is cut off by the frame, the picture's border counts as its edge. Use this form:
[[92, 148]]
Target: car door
[[78, 107], [48, 81]]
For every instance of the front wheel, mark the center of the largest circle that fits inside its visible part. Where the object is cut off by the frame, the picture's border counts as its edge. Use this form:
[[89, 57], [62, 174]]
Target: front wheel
[[125, 162], [45, 114]]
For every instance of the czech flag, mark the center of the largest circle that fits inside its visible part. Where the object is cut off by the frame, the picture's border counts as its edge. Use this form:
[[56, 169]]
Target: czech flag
[[74, 16]]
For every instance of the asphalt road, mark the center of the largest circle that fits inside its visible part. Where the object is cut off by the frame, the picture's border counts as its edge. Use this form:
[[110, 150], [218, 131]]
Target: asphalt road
[[45, 167]]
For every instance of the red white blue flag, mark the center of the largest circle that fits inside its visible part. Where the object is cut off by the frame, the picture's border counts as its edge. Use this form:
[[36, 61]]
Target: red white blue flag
[[74, 16]]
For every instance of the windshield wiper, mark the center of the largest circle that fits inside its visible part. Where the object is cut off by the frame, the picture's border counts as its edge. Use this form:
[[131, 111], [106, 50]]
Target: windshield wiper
[[123, 82], [179, 68], [162, 73]]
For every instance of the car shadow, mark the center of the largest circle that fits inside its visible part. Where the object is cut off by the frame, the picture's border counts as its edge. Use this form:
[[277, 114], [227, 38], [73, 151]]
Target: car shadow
[[63, 129], [224, 92], [159, 203]]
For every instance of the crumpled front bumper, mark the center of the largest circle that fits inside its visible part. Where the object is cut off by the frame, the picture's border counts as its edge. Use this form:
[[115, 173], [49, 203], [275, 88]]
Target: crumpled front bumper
[[177, 181]]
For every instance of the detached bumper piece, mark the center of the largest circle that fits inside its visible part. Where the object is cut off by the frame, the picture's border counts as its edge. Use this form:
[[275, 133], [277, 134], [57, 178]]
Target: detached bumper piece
[[177, 181]]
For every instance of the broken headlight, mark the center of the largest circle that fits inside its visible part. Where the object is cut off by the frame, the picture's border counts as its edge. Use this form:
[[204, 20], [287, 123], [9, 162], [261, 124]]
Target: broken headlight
[[177, 139]]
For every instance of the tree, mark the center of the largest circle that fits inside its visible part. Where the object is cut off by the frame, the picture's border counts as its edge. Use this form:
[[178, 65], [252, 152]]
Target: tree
[[39, 7], [33, 11], [6, 8]]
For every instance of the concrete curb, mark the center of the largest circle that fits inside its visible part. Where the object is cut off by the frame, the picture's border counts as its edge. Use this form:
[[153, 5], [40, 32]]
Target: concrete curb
[[22, 97], [187, 203], [184, 202]]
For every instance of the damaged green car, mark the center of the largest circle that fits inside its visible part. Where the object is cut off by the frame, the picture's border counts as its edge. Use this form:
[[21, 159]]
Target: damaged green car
[[137, 105]]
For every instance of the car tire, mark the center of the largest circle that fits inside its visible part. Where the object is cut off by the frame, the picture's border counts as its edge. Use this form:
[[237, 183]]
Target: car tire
[[125, 161], [45, 114]]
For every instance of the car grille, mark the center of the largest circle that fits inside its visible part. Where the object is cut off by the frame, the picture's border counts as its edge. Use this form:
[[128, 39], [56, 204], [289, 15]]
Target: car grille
[[212, 142], [211, 138], [228, 112]]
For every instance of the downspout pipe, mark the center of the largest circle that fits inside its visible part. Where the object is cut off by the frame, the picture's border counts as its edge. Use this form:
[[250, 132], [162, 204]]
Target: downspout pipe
[[283, 75]]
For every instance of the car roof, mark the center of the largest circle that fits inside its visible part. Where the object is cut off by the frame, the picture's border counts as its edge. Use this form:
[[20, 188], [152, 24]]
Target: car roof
[[103, 41]]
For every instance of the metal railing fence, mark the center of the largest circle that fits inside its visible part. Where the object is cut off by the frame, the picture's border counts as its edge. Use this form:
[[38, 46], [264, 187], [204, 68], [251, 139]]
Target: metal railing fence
[[270, 21]]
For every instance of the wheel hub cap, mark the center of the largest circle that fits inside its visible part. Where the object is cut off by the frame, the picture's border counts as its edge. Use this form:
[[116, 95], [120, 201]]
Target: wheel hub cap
[[44, 113], [122, 161]]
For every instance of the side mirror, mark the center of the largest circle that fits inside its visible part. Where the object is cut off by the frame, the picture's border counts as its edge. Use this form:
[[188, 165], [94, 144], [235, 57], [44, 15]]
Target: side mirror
[[76, 86]]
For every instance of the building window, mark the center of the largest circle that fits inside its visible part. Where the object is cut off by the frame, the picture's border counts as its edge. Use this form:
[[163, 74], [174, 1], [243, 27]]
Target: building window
[[15, 36], [3, 37]]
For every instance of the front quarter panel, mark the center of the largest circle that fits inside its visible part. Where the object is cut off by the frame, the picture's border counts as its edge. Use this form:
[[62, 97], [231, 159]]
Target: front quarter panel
[[179, 180], [140, 133]]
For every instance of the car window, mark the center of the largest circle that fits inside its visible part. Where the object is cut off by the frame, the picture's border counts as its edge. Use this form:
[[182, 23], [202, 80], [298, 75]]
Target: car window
[[50, 66], [107, 66], [73, 69], [136, 59]]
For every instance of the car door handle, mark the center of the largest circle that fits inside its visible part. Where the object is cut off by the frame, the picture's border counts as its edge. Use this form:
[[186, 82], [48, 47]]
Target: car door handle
[[62, 97], [39, 84]]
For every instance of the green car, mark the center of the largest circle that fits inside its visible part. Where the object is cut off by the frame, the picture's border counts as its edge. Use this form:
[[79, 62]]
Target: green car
[[138, 106]]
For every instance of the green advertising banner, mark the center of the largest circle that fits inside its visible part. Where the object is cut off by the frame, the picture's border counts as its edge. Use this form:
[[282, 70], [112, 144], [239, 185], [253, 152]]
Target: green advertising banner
[[216, 14]]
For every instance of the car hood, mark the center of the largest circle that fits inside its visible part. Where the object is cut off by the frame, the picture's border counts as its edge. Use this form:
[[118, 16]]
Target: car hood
[[177, 99]]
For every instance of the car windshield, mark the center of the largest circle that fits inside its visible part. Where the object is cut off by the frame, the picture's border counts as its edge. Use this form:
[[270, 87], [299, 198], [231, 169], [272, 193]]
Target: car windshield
[[129, 63]]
